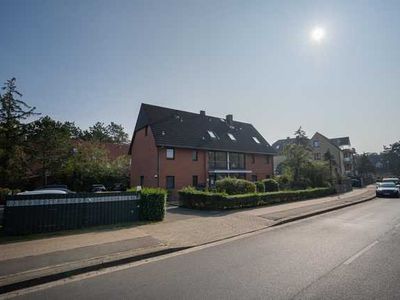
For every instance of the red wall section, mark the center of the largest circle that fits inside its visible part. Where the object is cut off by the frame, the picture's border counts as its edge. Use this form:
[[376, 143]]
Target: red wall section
[[182, 167], [144, 159], [259, 167]]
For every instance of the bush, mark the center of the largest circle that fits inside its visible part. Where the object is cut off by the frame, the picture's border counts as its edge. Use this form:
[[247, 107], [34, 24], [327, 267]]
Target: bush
[[217, 201], [233, 186], [271, 185], [152, 204], [260, 187], [3, 193]]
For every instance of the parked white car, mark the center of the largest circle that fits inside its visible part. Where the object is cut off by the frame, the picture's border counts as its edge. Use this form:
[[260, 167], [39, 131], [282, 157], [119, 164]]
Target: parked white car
[[43, 192]]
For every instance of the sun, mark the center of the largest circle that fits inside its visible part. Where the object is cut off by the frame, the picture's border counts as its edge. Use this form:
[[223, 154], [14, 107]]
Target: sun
[[318, 34]]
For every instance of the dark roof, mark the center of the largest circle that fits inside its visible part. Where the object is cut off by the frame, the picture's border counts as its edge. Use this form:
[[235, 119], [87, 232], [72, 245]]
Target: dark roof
[[176, 128], [341, 141], [280, 144]]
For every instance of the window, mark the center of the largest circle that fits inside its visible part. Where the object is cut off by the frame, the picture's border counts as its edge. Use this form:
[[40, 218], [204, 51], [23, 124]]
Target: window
[[316, 144], [211, 134], [232, 137], [217, 160], [253, 159], [256, 140], [267, 176], [236, 161], [267, 159], [145, 130], [317, 156], [195, 180], [170, 153], [170, 182], [254, 178], [142, 180], [195, 155]]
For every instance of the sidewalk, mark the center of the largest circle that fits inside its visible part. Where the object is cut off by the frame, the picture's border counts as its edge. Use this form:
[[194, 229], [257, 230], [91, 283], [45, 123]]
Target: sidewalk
[[26, 260]]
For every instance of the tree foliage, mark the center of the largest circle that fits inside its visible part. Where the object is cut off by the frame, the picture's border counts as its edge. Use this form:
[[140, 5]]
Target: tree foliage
[[48, 146], [13, 111], [112, 133]]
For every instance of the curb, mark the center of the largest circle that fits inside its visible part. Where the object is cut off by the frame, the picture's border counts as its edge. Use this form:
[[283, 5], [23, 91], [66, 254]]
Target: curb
[[321, 211], [28, 283]]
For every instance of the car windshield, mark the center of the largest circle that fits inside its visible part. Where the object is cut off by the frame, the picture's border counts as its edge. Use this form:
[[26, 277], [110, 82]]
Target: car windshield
[[387, 184]]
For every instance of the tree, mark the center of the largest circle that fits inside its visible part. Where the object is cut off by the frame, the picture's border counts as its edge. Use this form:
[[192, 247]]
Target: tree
[[117, 133], [90, 164], [364, 165], [301, 137], [330, 158], [12, 112], [48, 146], [391, 157], [112, 133], [297, 157]]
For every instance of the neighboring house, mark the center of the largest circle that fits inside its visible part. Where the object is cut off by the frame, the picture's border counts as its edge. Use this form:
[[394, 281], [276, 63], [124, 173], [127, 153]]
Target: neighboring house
[[340, 148], [173, 149], [320, 145], [349, 155]]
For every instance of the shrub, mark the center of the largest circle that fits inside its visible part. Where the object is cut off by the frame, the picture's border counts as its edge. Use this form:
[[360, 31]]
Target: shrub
[[3, 193], [260, 187], [271, 185], [152, 204], [218, 201], [233, 186]]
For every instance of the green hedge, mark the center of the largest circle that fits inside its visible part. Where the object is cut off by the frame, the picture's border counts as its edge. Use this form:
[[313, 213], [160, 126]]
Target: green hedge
[[271, 185], [6, 191], [260, 187], [217, 201], [152, 204], [233, 186]]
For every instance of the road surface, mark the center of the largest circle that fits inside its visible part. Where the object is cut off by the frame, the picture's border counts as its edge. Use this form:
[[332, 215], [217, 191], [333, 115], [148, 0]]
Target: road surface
[[350, 253]]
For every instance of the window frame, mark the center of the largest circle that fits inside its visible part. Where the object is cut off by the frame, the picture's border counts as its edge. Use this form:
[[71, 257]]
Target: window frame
[[195, 155], [173, 153], [166, 182]]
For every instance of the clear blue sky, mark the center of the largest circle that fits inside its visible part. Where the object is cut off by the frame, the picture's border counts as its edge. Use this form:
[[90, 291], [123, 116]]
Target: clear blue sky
[[89, 61]]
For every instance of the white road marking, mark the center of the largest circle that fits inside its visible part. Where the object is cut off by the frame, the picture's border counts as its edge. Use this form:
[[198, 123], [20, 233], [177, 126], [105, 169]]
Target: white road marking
[[359, 253]]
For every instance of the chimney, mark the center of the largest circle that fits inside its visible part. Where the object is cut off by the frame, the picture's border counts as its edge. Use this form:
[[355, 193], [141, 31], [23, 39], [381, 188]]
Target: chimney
[[229, 119], [202, 113]]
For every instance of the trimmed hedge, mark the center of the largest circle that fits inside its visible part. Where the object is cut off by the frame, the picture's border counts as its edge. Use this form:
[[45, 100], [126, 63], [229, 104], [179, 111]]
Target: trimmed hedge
[[260, 187], [271, 185], [234, 186], [5, 192], [152, 204], [218, 201]]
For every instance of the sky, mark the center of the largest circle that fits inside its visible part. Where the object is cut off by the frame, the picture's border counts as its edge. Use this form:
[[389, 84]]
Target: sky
[[88, 61]]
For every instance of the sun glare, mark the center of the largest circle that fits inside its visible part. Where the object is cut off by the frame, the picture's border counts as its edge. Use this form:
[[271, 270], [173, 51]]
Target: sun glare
[[318, 34]]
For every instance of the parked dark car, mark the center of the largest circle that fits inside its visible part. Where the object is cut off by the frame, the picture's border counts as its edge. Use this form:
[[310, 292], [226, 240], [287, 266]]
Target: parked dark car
[[98, 188], [387, 189]]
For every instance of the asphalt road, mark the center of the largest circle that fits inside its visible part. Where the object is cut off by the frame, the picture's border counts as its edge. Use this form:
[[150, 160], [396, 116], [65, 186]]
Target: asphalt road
[[351, 253]]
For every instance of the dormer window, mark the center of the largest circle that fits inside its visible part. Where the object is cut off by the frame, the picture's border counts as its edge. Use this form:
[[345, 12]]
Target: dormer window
[[231, 136], [211, 134], [256, 140]]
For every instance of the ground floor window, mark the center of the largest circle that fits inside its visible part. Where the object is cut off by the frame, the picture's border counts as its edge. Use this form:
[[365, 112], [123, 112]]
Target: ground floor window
[[195, 180], [142, 180], [170, 182], [254, 178]]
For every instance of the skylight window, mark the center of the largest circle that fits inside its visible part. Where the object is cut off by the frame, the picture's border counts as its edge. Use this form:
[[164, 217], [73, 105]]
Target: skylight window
[[256, 140], [232, 137], [211, 134]]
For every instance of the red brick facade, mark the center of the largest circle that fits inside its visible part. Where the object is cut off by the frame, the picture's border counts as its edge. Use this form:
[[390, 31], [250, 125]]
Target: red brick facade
[[150, 163]]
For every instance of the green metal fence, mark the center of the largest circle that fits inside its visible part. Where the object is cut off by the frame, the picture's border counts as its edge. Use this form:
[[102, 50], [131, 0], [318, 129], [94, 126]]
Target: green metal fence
[[46, 213]]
